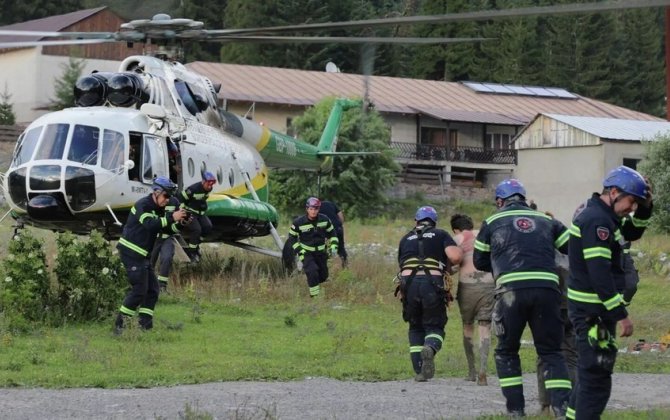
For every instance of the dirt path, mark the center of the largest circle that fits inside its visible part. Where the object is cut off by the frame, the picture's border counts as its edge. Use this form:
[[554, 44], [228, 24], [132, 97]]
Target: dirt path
[[312, 398]]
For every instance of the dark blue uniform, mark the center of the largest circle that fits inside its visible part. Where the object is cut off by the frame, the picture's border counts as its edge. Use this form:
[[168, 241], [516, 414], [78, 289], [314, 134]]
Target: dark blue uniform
[[309, 243], [194, 200], [518, 245], [330, 209], [145, 221], [424, 298], [164, 246], [597, 278]]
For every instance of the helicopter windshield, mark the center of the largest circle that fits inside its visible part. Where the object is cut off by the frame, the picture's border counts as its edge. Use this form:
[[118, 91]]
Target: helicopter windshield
[[84, 145], [26, 146], [53, 142]]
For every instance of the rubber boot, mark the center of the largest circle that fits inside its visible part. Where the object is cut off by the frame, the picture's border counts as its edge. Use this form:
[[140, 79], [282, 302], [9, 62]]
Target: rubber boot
[[427, 364]]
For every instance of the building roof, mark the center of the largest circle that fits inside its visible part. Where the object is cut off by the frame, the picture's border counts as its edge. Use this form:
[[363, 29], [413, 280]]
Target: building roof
[[614, 129], [450, 101], [48, 24]]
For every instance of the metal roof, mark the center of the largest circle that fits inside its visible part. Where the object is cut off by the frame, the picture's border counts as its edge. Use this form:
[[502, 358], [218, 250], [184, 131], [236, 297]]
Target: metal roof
[[47, 24], [397, 95], [615, 129]]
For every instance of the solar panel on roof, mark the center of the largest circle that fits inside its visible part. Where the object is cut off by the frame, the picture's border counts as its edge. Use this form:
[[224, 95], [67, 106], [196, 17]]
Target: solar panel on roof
[[502, 89]]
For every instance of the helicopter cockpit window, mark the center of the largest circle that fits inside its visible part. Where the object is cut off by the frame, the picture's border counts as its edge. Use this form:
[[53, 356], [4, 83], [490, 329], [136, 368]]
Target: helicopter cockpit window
[[113, 151], [167, 100], [186, 96], [53, 142], [84, 145], [154, 162], [26, 146]]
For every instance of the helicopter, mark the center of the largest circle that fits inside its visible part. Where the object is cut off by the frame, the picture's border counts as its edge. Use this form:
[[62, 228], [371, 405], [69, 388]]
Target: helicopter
[[82, 168]]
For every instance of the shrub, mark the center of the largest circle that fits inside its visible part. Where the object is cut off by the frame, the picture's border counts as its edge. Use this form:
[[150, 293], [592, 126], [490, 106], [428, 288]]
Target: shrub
[[91, 279], [25, 290]]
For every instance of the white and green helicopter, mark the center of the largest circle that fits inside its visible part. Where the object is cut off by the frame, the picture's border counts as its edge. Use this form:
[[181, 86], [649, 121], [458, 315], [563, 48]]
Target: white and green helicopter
[[82, 168]]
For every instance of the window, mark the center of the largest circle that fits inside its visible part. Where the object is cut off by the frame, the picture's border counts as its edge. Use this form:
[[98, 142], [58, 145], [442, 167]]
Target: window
[[434, 136], [53, 142], [631, 163], [453, 139], [497, 141], [113, 151], [84, 144], [154, 159], [26, 146]]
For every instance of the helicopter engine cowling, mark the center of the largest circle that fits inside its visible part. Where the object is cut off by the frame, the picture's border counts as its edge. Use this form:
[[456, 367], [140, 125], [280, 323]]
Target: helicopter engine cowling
[[126, 89], [91, 90]]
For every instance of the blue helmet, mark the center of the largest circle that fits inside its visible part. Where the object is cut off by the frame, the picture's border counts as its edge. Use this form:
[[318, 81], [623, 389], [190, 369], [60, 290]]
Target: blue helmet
[[164, 184], [313, 202], [510, 187], [627, 180], [208, 176], [426, 212]]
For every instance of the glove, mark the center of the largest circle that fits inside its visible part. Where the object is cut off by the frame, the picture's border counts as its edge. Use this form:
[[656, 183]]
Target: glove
[[301, 255], [333, 251], [298, 265]]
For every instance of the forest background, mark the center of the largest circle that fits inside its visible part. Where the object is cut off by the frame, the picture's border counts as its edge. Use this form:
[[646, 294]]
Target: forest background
[[616, 57]]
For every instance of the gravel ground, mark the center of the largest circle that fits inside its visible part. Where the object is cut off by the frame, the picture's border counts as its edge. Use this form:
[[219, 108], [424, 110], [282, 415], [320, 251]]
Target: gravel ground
[[312, 398]]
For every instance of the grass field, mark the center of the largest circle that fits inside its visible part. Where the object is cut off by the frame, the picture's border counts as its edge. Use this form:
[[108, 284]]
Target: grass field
[[235, 316]]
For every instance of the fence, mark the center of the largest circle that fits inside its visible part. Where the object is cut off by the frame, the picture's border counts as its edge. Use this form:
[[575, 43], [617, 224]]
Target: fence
[[458, 154]]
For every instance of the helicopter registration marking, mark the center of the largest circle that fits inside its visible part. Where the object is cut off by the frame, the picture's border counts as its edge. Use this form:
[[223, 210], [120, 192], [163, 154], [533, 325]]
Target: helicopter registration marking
[[140, 190], [286, 147]]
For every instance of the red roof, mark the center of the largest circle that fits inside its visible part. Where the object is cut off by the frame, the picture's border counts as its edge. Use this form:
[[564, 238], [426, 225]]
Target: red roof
[[444, 100]]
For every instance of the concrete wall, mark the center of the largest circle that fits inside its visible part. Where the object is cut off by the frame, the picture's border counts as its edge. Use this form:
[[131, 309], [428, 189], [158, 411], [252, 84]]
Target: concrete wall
[[30, 79], [615, 152], [560, 179]]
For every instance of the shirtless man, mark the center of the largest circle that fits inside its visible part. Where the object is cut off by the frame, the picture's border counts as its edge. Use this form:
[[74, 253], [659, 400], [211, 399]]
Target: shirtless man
[[475, 298]]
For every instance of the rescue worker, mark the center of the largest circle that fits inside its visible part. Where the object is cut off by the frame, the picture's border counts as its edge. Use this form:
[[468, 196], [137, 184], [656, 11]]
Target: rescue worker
[[336, 217], [194, 200], [424, 254], [163, 251], [517, 244], [595, 304], [309, 234], [135, 247], [475, 299]]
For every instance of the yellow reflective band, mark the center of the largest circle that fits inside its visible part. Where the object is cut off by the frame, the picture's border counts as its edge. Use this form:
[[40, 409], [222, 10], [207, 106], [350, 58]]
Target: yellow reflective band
[[597, 251], [557, 383], [296, 245], [313, 291], [415, 349], [322, 224], [130, 245], [584, 297], [511, 213], [162, 278], [146, 311], [565, 236], [639, 222], [438, 336], [304, 228], [570, 413], [133, 211], [613, 302], [126, 311], [514, 381], [575, 231], [617, 235], [527, 275], [292, 232], [146, 215], [164, 221], [481, 246]]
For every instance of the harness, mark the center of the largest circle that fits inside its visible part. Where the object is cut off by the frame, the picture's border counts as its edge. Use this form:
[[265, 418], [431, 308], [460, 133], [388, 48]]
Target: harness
[[420, 263]]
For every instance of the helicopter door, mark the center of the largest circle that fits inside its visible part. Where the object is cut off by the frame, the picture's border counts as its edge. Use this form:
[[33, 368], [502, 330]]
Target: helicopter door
[[154, 158]]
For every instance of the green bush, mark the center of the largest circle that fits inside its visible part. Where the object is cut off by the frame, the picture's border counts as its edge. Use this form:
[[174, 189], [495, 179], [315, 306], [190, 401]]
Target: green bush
[[24, 294], [91, 280]]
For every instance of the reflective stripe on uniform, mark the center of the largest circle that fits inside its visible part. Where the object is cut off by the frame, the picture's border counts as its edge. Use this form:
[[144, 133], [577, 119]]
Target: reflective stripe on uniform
[[570, 413], [437, 336], [575, 231], [511, 213], [597, 251], [527, 275], [585, 297], [557, 383], [146, 311], [565, 236], [126, 311], [415, 349], [513, 381], [481, 246], [125, 242]]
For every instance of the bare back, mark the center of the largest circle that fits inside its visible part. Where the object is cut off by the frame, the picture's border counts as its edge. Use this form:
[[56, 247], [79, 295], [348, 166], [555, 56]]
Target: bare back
[[467, 273]]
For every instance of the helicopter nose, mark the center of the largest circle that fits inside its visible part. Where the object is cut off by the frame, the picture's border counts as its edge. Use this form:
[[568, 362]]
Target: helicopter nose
[[48, 207]]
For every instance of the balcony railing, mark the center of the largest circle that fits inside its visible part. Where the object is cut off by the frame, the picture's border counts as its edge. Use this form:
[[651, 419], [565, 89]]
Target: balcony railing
[[459, 154]]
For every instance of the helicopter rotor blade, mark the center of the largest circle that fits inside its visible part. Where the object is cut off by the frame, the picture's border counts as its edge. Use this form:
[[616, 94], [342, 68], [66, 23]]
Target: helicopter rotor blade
[[22, 44], [46, 34], [348, 40], [483, 15]]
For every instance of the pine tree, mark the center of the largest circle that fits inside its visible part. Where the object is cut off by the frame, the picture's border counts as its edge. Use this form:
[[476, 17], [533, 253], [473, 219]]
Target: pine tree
[[7, 116], [64, 86]]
